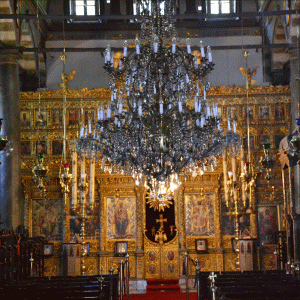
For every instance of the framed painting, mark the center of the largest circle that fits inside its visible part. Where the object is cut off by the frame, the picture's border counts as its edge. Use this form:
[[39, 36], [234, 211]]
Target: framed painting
[[57, 147], [232, 112], [264, 112], [267, 224], [121, 217], [279, 112], [201, 245], [57, 117], [120, 248], [89, 116], [25, 118], [47, 218], [248, 111], [199, 214], [41, 147], [25, 147], [245, 142], [40, 118], [263, 139], [73, 116], [48, 249]]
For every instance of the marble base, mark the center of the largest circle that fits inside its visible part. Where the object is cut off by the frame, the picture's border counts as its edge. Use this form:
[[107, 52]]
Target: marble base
[[137, 286], [191, 284]]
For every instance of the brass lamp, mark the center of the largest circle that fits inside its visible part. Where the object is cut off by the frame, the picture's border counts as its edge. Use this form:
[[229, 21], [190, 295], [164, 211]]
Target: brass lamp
[[40, 172], [268, 161], [65, 177]]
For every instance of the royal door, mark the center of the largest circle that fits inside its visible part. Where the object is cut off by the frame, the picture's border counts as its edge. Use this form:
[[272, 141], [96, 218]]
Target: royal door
[[161, 242]]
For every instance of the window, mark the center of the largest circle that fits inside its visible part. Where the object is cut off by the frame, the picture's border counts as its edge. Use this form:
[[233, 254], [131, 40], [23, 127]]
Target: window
[[145, 5], [216, 7], [84, 7]]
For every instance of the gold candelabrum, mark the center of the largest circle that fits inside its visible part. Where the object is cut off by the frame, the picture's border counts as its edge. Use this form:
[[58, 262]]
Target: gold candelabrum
[[81, 210], [238, 193], [65, 180], [83, 206]]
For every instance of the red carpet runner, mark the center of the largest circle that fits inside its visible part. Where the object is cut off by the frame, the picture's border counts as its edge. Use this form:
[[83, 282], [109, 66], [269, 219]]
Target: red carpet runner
[[164, 289]]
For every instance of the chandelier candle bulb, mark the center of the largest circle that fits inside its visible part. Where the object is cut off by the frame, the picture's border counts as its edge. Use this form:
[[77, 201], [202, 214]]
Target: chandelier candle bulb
[[208, 113], [188, 46], [229, 125], [120, 107], [155, 40], [90, 128], [125, 48], [137, 46], [202, 122], [234, 127], [174, 47], [209, 55], [204, 93], [161, 108], [187, 78], [202, 49], [180, 106], [81, 131]]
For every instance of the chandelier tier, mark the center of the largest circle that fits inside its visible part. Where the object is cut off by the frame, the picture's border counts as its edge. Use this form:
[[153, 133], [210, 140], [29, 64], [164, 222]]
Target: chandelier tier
[[158, 123]]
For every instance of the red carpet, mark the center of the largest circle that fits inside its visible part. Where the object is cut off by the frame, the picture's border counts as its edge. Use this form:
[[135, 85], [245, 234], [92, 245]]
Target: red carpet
[[164, 289]]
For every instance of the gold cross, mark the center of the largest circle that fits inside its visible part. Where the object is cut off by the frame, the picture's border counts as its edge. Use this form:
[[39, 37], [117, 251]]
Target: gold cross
[[161, 220]]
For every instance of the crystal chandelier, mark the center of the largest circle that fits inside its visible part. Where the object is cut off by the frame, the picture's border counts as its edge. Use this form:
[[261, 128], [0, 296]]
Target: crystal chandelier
[[159, 124]]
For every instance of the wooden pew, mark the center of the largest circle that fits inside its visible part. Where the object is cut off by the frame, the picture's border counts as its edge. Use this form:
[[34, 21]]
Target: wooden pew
[[63, 287]]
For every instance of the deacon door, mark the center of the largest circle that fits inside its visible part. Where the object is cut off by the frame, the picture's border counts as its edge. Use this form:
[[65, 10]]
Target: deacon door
[[161, 243]]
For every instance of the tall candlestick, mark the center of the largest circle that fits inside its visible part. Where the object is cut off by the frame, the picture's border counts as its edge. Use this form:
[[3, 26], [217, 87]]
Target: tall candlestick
[[92, 182], [243, 170], [82, 170], [74, 178], [225, 177]]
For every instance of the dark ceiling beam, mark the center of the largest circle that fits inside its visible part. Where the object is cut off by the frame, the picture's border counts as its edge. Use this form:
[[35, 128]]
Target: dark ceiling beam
[[243, 15], [102, 49]]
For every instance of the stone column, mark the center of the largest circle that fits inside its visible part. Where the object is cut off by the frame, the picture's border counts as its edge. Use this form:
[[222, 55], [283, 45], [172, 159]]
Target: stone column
[[294, 180], [10, 169]]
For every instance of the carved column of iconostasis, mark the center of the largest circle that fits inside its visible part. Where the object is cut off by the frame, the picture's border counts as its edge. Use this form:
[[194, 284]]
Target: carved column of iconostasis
[[102, 232], [140, 213], [219, 251], [179, 197]]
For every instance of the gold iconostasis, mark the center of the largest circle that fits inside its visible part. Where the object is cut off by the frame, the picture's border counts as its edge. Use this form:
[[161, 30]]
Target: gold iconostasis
[[195, 220]]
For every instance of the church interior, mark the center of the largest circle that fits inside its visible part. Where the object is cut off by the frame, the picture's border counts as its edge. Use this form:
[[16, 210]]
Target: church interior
[[150, 146]]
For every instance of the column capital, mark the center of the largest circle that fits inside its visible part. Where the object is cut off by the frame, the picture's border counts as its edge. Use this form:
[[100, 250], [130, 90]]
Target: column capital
[[9, 56], [293, 52]]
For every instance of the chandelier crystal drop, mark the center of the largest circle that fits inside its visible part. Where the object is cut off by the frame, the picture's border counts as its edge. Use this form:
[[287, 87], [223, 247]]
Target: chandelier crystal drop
[[158, 124]]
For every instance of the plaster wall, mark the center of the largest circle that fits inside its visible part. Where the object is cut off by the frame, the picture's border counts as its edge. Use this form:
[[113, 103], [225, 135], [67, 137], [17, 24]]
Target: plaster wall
[[90, 72]]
